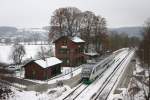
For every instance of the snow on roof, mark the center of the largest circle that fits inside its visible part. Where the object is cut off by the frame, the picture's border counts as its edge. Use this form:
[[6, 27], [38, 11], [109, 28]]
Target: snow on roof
[[91, 53], [48, 62], [77, 40]]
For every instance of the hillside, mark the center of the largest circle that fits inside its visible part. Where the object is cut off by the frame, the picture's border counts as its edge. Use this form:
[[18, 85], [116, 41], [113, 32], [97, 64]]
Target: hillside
[[131, 31], [41, 34], [12, 34]]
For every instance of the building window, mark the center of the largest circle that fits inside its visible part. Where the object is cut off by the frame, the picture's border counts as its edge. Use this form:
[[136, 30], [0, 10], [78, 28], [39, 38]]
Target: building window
[[66, 61], [77, 50], [64, 42], [80, 50], [63, 50], [45, 75]]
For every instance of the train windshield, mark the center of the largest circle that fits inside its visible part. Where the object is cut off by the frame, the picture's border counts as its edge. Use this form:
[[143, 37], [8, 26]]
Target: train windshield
[[86, 70]]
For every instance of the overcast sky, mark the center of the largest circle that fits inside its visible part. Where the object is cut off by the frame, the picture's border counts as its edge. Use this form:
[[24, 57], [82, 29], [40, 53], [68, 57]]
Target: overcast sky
[[37, 13]]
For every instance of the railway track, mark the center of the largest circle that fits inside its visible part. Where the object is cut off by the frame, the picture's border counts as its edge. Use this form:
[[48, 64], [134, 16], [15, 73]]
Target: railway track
[[104, 96], [101, 75], [82, 87], [76, 92]]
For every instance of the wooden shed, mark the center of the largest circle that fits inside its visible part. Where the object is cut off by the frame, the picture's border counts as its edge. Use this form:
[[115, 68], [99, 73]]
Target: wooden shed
[[70, 50], [43, 69]]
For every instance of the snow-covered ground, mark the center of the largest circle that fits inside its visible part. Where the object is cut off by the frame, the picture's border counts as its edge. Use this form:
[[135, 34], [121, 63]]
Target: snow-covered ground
[[135, 87], [138, 67], [66, 70], [139, 95], [31, 52], [50, 94], [65, 77], [59, 92]]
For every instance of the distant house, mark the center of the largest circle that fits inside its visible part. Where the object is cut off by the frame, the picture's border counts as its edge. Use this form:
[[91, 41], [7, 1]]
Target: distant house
[[70, 50], [42, 69]]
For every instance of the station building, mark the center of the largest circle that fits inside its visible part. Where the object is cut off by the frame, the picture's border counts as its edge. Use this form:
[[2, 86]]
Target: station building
[[70, 50]]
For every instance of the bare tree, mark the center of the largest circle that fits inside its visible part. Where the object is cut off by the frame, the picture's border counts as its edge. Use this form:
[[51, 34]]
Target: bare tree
[[17, 40], [35, 37], [18, 53], [122, 40], [5, 92], [50, 52], [64, 22], [7, 41], [87, 23], [45, 52], [101, 38], [144, 54], [93, 29], [71, 21]]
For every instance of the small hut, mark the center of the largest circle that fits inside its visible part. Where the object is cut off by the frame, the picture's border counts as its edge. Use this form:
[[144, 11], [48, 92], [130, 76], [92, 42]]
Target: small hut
[[43, 69]]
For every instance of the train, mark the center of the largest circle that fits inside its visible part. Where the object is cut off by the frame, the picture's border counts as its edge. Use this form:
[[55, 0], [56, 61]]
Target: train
[[91, 71]]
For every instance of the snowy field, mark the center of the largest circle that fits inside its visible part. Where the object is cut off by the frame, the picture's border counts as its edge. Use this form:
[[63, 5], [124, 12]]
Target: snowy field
[[31, 52]]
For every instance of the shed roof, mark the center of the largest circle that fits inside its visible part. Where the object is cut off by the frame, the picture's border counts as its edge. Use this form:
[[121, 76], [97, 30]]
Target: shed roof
[[48, 62]]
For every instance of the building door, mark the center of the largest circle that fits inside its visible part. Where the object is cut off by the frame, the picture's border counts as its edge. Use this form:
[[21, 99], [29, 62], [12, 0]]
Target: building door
[[33, 74]]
